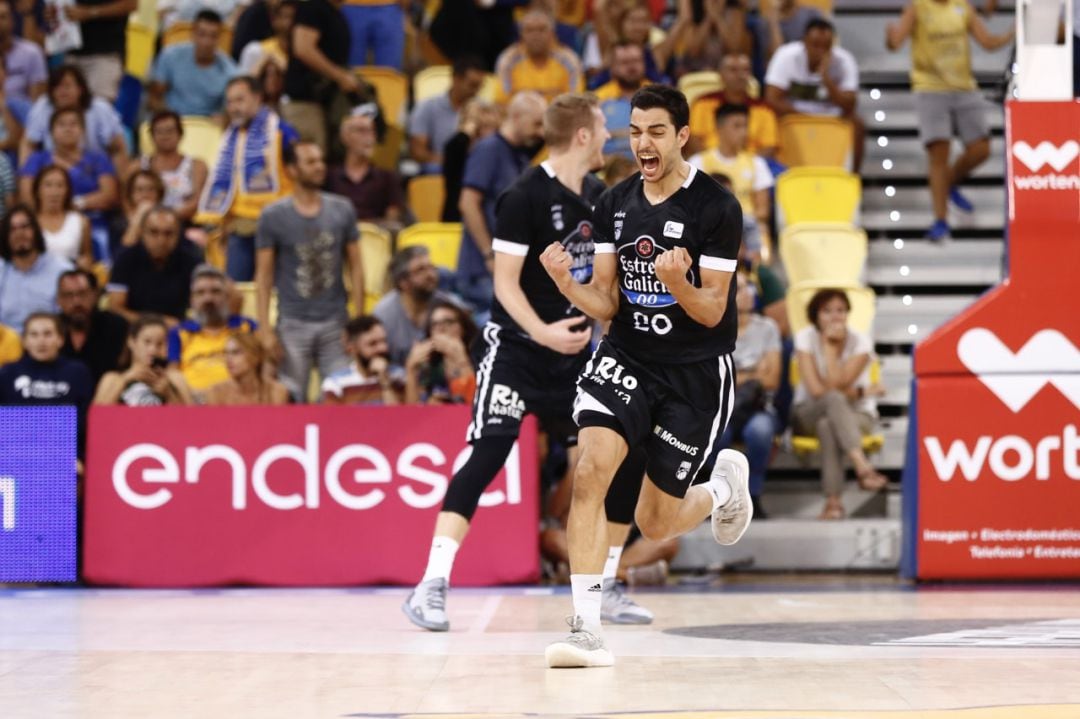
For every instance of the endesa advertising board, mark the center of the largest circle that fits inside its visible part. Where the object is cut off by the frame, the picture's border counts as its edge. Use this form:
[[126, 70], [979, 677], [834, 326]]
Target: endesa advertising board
[[996, 443], [294, 496]]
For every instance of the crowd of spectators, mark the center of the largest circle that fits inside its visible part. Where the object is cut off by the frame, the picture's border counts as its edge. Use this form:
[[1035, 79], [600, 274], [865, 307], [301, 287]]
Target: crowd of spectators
[[121, 259]]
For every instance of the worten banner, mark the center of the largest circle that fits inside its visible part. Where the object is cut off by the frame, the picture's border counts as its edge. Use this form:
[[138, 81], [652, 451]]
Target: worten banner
[[37, 494], [998, 387], [294, 496]]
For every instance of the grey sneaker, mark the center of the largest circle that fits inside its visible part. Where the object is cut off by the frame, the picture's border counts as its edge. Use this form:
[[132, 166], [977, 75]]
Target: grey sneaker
[[617, 608], [730, 521], [580, 649], [426, 606]]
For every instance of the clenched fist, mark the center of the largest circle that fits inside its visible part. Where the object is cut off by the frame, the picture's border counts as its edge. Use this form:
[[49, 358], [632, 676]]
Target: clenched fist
[[557, 262], [671, 266]]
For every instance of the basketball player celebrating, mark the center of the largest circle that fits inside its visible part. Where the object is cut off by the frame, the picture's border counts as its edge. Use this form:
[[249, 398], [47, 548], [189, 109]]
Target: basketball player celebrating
[[666, 245], [534, 347]]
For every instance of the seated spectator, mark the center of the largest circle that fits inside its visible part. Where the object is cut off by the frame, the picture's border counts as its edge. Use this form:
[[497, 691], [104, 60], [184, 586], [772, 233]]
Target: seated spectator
[[435, 120], [369, 378], [305, 242], [750, 176], [438, 369], [814, 77], [249, 174], [763, 133], [23, 61], [377, 26], [404, 310], [102, 26], [629, 22], [318, 70], [247, 384], [28, 274], [68, 90], [93, 336], [197, 345], [493, 165], [184, 176], [627, 77], [189, 78], [758, 365], [538, 63], [147, 381], [66, 230], [10, 345], [93, 178], [375, 193], [154, 275], [275, 48], [143, 191], [43, 376], [479, 119], [785, 21], [834, 400], [726, 26], [7, 183], [13, 114]]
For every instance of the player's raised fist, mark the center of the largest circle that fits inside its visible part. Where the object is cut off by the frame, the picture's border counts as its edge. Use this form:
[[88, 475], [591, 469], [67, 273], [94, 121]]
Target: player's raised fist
[[672, 266], [557, 262]]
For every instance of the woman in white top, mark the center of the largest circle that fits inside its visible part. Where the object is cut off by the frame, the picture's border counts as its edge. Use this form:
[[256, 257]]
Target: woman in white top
[[182, 175], [834, 399], [66, 230]]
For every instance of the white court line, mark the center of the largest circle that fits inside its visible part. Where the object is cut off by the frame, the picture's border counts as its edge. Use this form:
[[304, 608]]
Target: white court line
[[487, 613]]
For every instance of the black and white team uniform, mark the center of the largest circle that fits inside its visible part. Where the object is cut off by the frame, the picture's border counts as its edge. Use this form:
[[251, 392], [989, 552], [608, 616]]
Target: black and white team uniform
[[662, 380], [516, 376]]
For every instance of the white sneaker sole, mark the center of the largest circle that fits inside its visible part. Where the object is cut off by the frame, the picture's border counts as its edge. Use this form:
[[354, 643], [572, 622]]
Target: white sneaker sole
[[416, 618], [626, 618], [728, 534], [561, 655]]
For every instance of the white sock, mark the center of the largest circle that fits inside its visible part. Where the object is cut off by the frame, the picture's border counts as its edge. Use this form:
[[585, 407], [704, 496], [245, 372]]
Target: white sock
[[587, 591], [611, 566], [441, 559], [719, 489]]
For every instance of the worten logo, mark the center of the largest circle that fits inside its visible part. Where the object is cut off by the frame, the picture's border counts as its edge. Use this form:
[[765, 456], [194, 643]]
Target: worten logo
[[1047, 153], [1048, 357]]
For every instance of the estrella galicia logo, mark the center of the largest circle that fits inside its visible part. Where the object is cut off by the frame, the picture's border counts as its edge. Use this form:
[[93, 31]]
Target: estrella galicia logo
[[579, 244], [638, 280]]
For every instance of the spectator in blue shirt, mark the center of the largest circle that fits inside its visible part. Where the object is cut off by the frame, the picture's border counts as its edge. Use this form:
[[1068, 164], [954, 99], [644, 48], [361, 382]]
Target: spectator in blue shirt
[[493, 165], [190, 77], [68, 89], [435, 120], [28, 274], [23, 60], [94, 184]]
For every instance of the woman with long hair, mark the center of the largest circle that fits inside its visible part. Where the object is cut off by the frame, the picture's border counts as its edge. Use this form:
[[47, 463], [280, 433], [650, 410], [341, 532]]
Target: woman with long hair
[[66, 230], [147, 381], [439, 369], [247, 363]]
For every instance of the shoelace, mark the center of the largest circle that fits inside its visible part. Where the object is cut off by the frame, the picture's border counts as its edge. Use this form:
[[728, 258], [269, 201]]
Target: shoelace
[[579, 637], [435, 598]]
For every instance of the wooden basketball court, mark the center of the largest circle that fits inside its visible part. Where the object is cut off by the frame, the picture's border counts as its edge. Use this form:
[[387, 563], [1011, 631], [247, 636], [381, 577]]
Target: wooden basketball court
[[806, 647]]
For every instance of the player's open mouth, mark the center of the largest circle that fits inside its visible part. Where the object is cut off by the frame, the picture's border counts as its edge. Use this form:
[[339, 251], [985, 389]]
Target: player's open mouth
[[649, 163]]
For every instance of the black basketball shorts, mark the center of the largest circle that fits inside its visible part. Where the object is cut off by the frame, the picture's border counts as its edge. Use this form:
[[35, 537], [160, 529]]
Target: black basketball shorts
[[514, 377], [676, 412]]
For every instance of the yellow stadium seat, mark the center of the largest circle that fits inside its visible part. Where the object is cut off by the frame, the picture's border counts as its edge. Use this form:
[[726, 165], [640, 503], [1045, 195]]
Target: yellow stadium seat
[[376, 248], [696, 84], [431, 82], [201, 139], [443, 240], [826, 252], [392, 88], [817, 194], [250, 307], [427, 193], [862, 299], [814, 140], [807, 444], [825, 6], [490, 89], [140, 50], [388, 152]]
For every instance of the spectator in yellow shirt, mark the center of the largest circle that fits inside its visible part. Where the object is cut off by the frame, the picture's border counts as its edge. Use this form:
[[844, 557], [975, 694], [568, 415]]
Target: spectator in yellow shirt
[[763, 135], [538, 62]]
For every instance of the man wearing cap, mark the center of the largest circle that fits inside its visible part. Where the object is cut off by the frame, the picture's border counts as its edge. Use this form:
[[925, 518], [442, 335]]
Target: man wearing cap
[[374, 192]]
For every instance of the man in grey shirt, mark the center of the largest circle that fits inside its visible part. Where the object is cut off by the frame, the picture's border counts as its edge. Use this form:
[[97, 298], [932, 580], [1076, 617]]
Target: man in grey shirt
[[303, 243], [435, 120], [403, 311]]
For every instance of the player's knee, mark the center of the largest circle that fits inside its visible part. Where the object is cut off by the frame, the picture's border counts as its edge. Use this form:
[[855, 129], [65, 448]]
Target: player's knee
[[651, 525], [591, 480]]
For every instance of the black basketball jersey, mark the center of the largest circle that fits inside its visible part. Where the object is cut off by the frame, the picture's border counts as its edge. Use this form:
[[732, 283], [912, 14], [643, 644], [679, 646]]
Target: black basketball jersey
[[531, 214], [702, 217]]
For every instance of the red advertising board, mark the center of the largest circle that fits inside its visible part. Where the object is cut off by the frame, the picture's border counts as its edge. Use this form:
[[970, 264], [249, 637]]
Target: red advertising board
[[998, 386], [293, 496]]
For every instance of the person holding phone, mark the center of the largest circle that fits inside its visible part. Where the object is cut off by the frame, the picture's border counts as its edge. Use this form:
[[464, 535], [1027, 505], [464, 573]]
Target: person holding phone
[[147, 381]]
